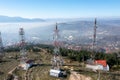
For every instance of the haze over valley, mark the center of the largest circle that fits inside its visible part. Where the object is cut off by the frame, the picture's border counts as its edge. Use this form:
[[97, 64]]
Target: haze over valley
[[74, 30]]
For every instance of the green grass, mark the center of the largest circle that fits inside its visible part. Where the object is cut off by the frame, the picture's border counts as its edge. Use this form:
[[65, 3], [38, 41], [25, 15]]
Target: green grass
[[41, 72], [7, 65]]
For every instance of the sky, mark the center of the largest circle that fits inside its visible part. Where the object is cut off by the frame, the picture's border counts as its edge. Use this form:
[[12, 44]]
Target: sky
[[60, 8]]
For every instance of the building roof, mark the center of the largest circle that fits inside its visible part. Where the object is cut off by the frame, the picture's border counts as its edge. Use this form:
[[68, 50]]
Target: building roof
[[29, 61], [101, 62]]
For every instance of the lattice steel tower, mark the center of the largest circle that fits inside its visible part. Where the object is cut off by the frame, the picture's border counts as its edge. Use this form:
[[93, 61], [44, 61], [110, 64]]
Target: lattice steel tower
[[57, 60], [1, 48], [94, 39], [22, 45]]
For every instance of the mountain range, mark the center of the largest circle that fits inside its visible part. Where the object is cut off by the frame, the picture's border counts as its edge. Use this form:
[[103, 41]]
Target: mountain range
[[76, 30], [19, 19]]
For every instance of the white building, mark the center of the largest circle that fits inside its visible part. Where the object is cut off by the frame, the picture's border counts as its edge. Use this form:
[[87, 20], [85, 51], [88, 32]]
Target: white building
[[98, 65], [55, 73]]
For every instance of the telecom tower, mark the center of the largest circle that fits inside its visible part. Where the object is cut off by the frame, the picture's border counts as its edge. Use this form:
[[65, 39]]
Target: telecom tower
[[1, 47], [57, 59], [22, 46], [94, 39]]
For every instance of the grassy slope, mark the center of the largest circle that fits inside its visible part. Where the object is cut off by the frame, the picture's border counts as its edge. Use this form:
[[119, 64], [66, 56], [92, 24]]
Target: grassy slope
[[7, 65], [41, 72]]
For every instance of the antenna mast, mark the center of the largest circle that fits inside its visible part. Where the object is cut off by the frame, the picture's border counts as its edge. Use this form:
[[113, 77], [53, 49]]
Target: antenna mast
[[1, 47], [94, 38], [56, 60], [22, 45]]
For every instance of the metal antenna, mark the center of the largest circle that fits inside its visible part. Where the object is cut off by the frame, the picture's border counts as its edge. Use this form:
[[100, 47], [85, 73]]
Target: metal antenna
[[94, 38], [56, 60], [22, 45], [1, 47]]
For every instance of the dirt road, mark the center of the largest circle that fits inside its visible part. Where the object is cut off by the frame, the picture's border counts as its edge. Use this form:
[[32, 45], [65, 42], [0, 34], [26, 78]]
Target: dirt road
[[76, 76]]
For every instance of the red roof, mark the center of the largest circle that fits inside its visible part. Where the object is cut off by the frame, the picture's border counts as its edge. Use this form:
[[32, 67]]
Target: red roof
[[101, 62], [29, 61]]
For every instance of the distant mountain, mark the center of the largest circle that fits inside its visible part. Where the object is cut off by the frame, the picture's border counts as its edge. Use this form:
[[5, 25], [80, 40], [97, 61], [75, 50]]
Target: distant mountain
[[79, 31], [19, 19]]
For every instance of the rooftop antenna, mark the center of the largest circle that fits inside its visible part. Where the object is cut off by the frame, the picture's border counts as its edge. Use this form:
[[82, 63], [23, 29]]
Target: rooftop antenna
[[94, 38], [22, 45], [56, 60]]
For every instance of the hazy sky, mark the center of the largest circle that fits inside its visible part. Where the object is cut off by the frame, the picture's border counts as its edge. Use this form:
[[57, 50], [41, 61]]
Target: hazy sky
[[60, 8]]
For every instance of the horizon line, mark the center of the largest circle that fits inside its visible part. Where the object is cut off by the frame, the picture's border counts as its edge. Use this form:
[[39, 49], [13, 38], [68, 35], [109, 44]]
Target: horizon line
[[102, 17]]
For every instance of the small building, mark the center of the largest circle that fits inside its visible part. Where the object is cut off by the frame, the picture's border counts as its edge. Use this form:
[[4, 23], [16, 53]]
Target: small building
[[26, 65], [55, 73], [58, 73], [98, 65], [103, 63]]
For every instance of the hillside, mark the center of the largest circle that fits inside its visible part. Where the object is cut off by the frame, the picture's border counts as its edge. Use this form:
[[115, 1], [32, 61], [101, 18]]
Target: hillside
[[42, 57], [77, 31], [19, 19]]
